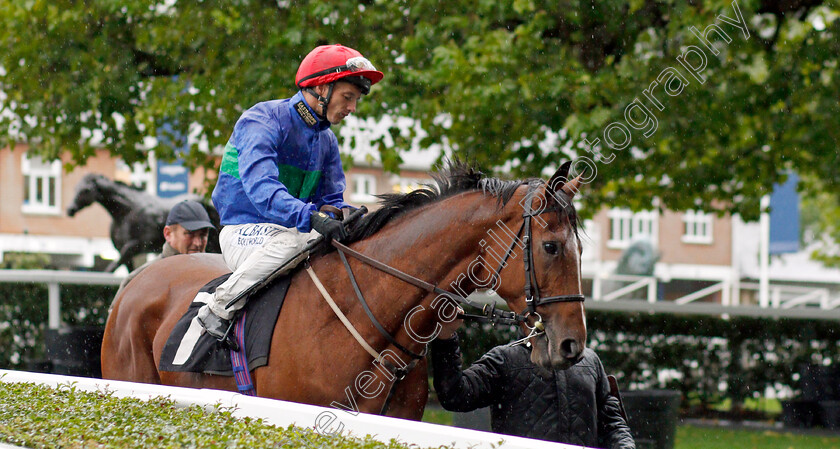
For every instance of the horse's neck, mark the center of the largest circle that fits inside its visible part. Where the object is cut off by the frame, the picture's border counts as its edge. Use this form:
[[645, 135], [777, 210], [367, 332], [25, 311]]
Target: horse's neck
[[119, 200], [434, 246], [429, 246]]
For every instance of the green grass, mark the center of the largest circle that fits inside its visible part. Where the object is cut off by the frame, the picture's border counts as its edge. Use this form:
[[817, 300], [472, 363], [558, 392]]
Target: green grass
[[691, 437], [437, 416], [694, 437]]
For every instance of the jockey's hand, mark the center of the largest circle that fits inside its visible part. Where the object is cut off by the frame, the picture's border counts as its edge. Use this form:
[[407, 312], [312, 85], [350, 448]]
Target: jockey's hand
[[450, 329], [330, 228]]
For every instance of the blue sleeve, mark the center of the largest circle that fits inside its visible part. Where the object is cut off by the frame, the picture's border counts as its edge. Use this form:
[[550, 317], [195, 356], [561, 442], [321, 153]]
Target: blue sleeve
[[258, 144], [333, 183]]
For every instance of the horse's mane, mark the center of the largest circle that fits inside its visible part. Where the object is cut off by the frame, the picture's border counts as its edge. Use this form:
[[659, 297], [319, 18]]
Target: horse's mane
[[455, 177]]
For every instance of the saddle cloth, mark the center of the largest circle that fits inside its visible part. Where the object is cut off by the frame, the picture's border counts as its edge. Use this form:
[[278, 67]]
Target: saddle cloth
[[190, 349]]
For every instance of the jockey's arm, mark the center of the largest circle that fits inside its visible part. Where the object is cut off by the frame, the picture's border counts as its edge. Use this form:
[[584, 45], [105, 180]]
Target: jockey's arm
[[333, 182], [259, 173]]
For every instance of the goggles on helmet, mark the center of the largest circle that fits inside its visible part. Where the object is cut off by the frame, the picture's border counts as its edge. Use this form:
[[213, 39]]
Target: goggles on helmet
[[358, 64], [352, 65]]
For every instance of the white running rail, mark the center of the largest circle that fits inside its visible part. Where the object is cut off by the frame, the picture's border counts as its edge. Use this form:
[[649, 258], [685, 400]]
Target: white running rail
[[283, 414]]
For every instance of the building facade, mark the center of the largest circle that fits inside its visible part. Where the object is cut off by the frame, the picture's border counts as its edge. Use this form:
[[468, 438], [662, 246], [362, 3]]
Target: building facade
[[35, 198], [699, 257]]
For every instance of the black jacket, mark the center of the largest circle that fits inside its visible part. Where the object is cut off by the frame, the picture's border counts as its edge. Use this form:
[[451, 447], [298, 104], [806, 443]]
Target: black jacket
[[572, 406]]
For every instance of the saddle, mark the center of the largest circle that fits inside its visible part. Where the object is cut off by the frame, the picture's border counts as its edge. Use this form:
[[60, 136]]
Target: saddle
[[189, 349]]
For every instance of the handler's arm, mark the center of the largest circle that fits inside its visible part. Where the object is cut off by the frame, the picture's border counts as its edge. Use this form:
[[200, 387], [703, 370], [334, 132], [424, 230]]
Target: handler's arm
[[463, 391], [613, 431]]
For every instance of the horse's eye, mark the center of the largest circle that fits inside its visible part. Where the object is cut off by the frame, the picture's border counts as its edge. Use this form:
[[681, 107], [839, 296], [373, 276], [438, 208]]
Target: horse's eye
[[550, 247]]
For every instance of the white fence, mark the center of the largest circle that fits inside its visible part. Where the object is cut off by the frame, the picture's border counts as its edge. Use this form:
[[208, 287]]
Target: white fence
[[53, 279], [784, 300], [283, 414], [609, 292]]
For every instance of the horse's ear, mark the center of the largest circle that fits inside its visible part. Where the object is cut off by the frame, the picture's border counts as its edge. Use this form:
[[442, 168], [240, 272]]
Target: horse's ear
[[572, 187], [559, 181], [560, 176]]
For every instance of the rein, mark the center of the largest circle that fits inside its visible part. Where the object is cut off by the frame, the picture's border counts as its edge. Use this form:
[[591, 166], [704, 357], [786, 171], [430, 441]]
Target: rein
[[489, 312]]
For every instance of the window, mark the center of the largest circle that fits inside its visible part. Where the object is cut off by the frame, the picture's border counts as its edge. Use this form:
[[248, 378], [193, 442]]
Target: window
[[698, 227], [41, 186], [407, 185], [364, 187], [626, 227]]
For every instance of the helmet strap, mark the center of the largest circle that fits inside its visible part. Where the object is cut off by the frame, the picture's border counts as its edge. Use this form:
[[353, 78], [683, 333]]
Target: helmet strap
[[324, 102]]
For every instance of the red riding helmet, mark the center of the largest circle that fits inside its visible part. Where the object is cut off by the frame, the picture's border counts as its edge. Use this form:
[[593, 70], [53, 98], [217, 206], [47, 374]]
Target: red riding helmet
[[330, 63]]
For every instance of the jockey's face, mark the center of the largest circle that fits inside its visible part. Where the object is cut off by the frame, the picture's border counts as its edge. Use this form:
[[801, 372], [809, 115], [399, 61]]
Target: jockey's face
[[343, 101], [184, 241]]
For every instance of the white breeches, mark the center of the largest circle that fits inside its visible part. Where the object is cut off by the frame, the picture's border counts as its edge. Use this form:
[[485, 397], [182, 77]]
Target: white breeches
[[252, 252]]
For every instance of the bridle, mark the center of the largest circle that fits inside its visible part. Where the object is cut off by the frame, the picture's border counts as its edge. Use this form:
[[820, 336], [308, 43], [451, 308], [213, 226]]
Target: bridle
[[533, 299], [532, 289]]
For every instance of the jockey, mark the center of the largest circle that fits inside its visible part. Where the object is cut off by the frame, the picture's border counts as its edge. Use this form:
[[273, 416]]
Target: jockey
[[279, 167]]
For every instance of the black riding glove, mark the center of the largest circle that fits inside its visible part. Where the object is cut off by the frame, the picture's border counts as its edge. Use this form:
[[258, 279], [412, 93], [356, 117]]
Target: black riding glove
[[330, 228]]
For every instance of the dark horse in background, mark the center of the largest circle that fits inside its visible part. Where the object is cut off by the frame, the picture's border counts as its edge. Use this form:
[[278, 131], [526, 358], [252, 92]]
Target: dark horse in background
[[138, 218], [437, 236]]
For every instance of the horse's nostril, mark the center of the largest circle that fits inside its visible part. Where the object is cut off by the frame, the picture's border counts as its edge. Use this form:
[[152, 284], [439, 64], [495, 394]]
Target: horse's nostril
[[570, 348]]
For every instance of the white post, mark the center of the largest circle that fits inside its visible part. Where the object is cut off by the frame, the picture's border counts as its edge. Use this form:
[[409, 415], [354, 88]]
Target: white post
[[764, 254], [652, 290], [596, 286], [725, 291], [54, 302], [735, 259]]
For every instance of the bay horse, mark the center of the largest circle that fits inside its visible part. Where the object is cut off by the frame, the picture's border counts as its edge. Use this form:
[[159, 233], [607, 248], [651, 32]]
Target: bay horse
[[459, 236], [137, 217]]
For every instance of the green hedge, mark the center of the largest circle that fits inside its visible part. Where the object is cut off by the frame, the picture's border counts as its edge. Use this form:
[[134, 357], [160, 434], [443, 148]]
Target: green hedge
[[24, 314], [71, 418], [713, 358], [24, 311]]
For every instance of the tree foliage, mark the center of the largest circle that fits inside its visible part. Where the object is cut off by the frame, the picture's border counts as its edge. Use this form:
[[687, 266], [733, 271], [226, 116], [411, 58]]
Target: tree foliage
[[515, 84]]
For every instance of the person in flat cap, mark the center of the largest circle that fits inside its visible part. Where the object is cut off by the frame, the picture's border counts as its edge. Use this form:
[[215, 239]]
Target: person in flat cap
[[186, 231]]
